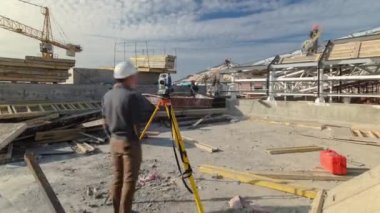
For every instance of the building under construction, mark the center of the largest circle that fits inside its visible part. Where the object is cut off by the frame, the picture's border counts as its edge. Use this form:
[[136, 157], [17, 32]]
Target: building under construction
[[296, 132]]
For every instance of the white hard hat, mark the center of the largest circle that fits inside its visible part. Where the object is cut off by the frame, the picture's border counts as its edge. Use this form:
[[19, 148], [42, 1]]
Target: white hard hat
[[123, 70]]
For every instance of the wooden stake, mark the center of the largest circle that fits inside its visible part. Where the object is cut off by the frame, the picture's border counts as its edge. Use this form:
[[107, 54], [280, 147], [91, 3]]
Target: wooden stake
[[40, 177]]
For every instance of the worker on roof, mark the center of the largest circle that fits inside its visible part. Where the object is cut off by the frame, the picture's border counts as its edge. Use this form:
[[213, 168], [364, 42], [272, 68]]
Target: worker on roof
[[194, 89], [310, 46], [121, 113]]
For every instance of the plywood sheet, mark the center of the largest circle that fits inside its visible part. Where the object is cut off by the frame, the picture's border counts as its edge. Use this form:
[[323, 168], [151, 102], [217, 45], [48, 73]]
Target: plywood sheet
[[10, 131], [357, 49], [360, 194]]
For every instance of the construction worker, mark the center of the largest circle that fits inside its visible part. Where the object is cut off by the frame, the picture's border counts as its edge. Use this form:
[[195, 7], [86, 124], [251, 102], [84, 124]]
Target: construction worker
[[193, 88], [310, 46], [121, 113]]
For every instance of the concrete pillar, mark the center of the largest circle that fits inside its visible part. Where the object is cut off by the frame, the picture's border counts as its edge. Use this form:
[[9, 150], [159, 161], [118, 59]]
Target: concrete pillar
[[270, 88]]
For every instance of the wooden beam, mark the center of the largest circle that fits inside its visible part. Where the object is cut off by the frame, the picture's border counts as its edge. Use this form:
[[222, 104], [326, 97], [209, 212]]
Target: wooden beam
[[97, 139], [258, 181], [199, 121], [57, 135], [42, 119], [40, 177], [202, 146], [317, 204], [10, 131], [295, 149]]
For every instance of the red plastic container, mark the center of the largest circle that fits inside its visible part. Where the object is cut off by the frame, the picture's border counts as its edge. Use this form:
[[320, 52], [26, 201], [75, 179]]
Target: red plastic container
[[333, 162]]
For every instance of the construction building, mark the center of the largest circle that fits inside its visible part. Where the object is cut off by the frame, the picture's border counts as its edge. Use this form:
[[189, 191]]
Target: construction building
[[292, 133]]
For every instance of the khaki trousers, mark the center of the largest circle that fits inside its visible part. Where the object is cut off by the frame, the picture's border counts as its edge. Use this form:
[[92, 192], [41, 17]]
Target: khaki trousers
[[126, 159]]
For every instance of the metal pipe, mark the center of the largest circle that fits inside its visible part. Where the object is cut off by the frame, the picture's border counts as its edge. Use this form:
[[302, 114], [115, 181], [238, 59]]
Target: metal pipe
[[325, 78]]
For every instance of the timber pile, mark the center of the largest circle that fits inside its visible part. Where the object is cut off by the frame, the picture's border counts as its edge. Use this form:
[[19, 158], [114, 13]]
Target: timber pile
[[35, 69], [154, 63], [355, 49], [45, 130]]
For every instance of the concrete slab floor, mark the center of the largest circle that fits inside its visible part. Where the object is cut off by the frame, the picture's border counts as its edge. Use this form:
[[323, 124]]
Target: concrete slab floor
[[243, 144]]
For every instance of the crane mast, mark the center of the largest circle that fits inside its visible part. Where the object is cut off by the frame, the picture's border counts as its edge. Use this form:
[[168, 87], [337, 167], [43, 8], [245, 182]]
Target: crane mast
[[45, 36]]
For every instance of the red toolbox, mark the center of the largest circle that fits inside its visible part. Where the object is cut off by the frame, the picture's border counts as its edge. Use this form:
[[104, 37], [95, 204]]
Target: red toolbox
[[333, 162]]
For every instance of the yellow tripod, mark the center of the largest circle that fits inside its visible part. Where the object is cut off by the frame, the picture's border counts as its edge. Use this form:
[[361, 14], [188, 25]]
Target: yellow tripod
[[176, 134]]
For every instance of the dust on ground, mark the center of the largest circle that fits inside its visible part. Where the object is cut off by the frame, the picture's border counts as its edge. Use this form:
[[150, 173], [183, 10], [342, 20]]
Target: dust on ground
[[82, 182]]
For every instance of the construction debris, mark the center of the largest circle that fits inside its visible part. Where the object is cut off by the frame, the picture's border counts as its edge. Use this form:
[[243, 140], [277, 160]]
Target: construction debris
[[245, 177], [35, 69]]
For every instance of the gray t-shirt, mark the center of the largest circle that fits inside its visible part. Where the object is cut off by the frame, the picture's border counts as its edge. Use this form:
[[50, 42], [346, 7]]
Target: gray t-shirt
[[121, 111]]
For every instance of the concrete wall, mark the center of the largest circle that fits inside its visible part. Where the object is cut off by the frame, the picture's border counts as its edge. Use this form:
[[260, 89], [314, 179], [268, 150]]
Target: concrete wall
[[90, 76], [13, 93], [326, 113]]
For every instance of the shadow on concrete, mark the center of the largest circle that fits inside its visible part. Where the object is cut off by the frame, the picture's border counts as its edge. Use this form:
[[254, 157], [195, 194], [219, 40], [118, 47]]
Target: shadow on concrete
[[164, 141], [272, 209], [264, 103]]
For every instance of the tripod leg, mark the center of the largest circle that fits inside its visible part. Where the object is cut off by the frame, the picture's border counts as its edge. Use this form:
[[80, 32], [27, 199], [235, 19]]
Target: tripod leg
[[186, 162], [149, 122]]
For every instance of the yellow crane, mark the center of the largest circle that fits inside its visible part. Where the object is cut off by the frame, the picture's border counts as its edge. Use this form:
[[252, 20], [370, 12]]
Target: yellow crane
[[45, 36]]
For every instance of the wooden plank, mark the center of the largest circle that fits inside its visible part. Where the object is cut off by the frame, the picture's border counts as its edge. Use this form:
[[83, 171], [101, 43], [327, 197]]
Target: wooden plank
[[42, 119], [296, 149], [95, 123], [202, 146], [352, 135], [9, 132], [57, 135], [317, 204], [71, 120], [258, 181], [360, 194], [302, 175], [97, 139], [376, 133], [40, 177], [84, 148], [200, 121]]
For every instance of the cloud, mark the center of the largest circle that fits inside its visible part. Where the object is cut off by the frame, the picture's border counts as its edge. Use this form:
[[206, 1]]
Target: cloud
[[201, 32]]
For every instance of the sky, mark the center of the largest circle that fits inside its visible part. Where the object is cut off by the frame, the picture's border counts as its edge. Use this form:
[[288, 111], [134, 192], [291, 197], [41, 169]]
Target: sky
[[201, 33]]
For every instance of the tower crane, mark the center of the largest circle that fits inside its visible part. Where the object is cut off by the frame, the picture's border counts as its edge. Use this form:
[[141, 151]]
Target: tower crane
[[45, 36]]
